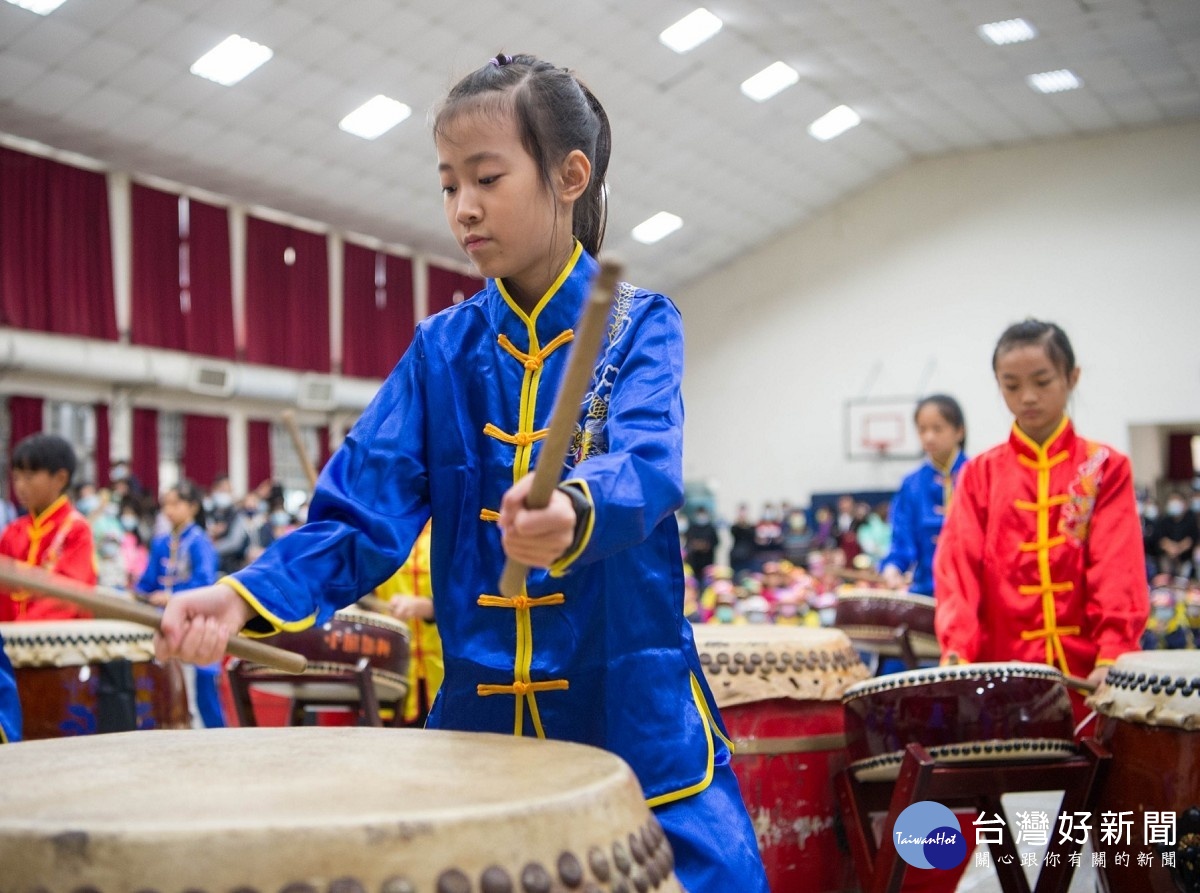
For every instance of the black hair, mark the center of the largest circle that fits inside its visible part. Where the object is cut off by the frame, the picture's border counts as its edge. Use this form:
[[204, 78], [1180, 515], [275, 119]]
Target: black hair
[[949, 410], [45, 452], [1045, 334], [190, 493], [555, 115]]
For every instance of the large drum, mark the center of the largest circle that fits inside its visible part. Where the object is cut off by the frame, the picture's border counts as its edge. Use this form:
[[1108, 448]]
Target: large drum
[[79, 677], [325, 809], [1150, 720], [779, 690], [961, 713], [871, 617], [335, 649]]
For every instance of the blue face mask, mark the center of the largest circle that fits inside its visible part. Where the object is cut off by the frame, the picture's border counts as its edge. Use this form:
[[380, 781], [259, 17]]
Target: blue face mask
[[129, 522], [725, 614], [88, 504], [280, 519]]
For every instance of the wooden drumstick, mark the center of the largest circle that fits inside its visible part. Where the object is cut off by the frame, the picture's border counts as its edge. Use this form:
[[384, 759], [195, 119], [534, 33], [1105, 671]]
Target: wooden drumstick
[[1082, 684], [289, 421], [589, 332], [112, 605], [374, 603]]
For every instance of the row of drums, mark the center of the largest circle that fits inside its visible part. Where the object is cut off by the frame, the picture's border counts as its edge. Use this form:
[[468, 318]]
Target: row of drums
[[399, 811]]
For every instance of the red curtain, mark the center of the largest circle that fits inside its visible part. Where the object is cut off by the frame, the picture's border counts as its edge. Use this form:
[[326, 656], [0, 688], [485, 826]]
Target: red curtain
[[1179, 457], [377, 311], [323, 451], [287, 304], [448, 287], [205, 448], [55, 250], [182, 285], [144, 461], [24, 418], [103, 456], [259, 448]]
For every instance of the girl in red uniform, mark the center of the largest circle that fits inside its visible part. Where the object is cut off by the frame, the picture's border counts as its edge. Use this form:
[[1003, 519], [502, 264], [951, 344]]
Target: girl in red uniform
[[1041, 556]]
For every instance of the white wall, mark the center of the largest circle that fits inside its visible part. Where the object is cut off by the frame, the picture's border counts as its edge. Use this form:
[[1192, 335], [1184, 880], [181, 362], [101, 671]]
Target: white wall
[[907, 285]]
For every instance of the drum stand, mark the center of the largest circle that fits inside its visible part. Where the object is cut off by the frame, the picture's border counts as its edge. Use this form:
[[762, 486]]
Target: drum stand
[[354, 679], [967, 786]]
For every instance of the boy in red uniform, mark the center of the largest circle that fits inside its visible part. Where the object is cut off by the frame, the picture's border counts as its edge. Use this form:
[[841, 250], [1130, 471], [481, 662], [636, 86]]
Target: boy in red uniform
[[53, 535]]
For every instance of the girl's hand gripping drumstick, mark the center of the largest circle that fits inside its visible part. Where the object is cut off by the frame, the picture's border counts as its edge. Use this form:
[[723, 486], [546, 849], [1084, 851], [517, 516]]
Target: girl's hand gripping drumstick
[[589, 332]]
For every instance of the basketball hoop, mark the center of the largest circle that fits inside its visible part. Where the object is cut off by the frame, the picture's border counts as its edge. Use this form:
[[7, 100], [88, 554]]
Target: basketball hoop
[[880, 449]]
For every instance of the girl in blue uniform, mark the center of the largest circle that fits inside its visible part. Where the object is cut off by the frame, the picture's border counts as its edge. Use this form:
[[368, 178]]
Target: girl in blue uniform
[[596, 649], [920, 505], [180, 560]]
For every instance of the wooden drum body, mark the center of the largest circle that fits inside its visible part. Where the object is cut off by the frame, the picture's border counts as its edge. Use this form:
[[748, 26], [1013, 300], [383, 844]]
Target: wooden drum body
[[1149, 710], [779, 690], [352, 809], [962, 713], [80, 677], [334, 649], [870, 617]]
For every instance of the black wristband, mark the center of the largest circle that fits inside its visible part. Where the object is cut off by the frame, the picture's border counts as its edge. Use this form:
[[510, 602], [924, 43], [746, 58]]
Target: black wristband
[[583, 513]]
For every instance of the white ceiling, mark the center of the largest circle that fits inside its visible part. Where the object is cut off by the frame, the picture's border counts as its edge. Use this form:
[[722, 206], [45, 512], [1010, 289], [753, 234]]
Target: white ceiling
[[109, 79]]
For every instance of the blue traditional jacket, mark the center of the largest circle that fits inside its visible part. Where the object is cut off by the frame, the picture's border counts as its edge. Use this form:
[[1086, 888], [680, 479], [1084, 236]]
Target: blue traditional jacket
[[597, 649], [188, 564], [10, 703], [917, 514]]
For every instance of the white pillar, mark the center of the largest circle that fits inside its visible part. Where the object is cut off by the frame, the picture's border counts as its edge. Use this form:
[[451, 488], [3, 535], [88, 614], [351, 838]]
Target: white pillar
[[120, 224], [237, 262], [239, 452], [120, 426], [420, 287], [337, 299]]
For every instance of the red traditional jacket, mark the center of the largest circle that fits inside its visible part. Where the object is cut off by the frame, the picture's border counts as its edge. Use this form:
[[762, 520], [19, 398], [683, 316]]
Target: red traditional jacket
[[58, 540], [1041, 556]]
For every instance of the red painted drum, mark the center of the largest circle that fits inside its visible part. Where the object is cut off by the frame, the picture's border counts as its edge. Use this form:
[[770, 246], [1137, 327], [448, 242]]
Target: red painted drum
[[779, 690], [961, 713], [870, 617], [335, 648], [1149, 710], [325, 809], [80, 677]]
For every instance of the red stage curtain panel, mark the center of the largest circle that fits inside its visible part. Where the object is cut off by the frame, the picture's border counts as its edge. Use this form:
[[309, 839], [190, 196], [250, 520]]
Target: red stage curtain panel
[[55, 250], [448, 287], [258, 437], [377, 311], [323, 450], [182, 285], [287, 304], [205, 448], [103, 454], [1179, 457], [24, 418], [144, 461]]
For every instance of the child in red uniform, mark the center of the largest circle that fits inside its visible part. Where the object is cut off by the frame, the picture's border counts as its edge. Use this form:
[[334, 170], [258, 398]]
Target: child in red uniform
[[1041, 556], [53, 535]]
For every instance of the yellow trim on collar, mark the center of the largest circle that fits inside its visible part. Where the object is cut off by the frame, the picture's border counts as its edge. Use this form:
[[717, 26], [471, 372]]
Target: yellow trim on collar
[[531, 318], [563, 564], [709, 728], [279, 625], [40, 519], [1040, 449]]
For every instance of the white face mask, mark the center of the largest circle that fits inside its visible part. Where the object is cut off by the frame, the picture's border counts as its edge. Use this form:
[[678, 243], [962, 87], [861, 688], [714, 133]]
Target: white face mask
[[1196, 506], [1151, 512], [1175, 508]]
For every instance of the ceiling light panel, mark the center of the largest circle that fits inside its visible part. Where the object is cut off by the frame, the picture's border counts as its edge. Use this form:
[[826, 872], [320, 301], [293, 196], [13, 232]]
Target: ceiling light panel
[[770, 81], [41, 7], [657, 227], [231, 60], [691, 31], [1008, 31], [834, 123], [1054, 81], [375, 117]]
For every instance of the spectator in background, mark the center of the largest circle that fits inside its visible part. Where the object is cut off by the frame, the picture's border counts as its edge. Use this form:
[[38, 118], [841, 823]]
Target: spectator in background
[[1176, 535], [702, 540], [875, 534], [823, 536], [227, 527], [135, 539], [741, 553], [1148, 512], [797, 538], [768, 536]]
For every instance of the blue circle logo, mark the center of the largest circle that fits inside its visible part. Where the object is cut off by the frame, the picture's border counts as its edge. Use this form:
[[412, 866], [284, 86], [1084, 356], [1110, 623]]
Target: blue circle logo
[[927, 835]]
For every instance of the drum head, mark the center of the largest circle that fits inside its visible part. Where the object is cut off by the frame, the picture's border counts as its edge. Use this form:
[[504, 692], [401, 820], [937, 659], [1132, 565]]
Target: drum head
[[75, 643], [1157, 688], [264, 809], [744, 664]]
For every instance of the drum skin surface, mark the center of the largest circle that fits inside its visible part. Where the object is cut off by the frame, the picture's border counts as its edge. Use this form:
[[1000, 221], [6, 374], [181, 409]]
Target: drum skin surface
[[962, 713], [323, 809], [1149, 710], [779, 691], [59, 676], [871, 616]]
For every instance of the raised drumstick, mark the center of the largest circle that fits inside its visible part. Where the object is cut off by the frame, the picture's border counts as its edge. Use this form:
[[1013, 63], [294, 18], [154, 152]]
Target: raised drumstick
[[112, 605], [589, 332]]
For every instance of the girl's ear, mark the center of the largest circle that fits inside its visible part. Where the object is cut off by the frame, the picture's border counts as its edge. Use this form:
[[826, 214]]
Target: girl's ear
[[575, 173], [1073, 379]]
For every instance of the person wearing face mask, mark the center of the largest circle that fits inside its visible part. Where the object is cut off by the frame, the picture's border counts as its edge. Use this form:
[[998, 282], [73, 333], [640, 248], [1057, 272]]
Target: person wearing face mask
[[1176, 535], [134, 550], [1148, 514], [227, 527]]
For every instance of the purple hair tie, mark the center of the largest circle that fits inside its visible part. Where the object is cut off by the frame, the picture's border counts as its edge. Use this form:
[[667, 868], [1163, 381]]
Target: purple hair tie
[[501, 59]]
